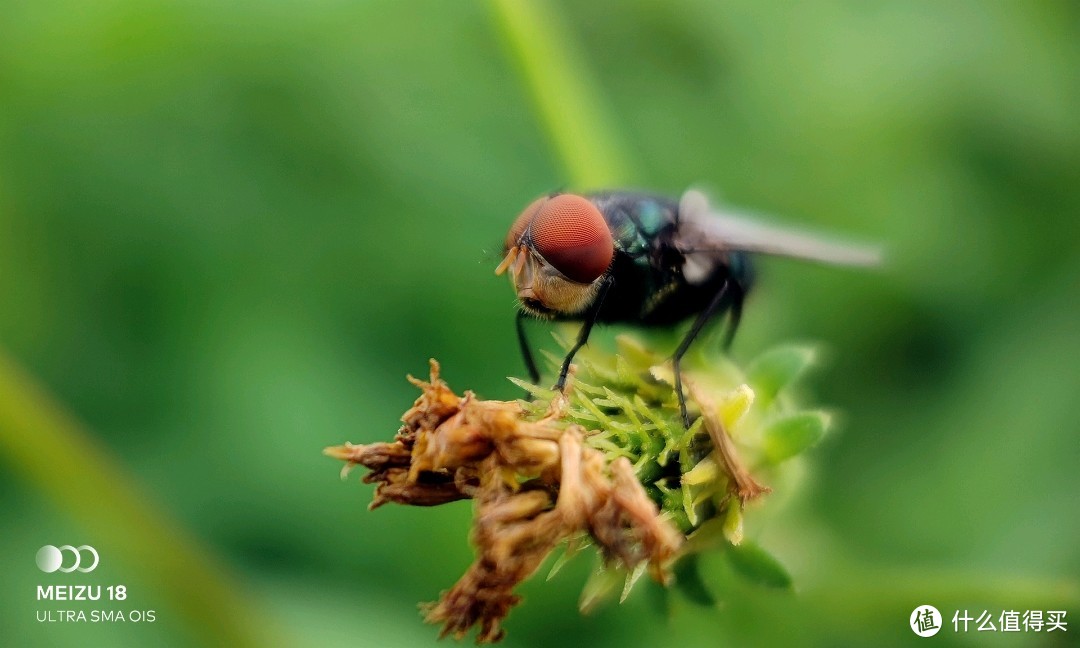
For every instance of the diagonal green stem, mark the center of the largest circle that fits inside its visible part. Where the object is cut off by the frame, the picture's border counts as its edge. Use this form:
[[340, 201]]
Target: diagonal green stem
[[565, 94], [55, 453]]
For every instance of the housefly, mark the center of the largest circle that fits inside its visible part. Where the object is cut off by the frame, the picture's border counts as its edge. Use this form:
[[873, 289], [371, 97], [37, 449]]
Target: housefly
[[645, 260]]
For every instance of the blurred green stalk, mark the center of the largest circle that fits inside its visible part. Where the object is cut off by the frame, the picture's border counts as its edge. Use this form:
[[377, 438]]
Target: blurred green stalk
[[58, 455], [566, 96]]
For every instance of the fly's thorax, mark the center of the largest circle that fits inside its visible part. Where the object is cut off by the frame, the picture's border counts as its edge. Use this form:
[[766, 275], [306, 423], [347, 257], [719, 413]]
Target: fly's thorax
[[545, 292], [637, 221]]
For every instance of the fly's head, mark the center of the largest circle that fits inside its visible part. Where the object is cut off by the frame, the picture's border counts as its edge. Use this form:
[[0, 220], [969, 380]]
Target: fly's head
[[558, 251]]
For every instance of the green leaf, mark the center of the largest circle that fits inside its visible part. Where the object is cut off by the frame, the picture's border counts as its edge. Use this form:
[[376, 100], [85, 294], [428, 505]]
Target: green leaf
[[708, 536], [573, 547], [733, 522], [758, 566], [601, 587], [635, 353], [734, 406], [537, 392], [786, 437], [631, 579], [689, 581], [705, 472], [777, 368]]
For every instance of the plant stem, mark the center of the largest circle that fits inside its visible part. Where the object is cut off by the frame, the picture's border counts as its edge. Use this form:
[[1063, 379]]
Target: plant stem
[[566, 96], [59, 456]]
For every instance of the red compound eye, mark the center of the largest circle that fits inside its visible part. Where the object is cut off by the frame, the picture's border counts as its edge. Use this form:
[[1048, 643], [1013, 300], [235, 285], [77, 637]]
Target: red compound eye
[[572, 235], [522, 222]]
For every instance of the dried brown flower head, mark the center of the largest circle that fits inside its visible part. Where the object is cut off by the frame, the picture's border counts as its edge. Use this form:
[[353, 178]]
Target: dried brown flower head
[[607, 464]]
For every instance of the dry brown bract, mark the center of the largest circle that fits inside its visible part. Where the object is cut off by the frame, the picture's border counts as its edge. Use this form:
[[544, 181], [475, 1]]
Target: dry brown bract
[[535, 484]]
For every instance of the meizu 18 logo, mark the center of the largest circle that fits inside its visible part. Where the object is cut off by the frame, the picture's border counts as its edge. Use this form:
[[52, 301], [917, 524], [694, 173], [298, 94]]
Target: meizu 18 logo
[[83, 558]]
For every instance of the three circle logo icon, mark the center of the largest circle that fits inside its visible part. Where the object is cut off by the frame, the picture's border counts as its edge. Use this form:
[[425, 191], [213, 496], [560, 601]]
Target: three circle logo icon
[[50, 558], [925, 621]]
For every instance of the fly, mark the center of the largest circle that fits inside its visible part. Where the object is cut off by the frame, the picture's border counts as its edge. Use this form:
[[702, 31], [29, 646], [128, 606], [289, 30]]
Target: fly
[[646, 260]]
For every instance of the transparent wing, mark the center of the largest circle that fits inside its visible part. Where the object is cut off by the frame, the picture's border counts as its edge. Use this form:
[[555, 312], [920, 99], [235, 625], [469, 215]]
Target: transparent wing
[[705, 226]]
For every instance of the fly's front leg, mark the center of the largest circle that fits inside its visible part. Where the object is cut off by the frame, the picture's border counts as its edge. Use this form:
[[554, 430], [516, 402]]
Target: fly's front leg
[[526, 351], [583, 335]]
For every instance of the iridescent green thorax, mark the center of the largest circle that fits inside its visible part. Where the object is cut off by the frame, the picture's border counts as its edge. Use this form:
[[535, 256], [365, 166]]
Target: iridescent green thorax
[[636, 221]]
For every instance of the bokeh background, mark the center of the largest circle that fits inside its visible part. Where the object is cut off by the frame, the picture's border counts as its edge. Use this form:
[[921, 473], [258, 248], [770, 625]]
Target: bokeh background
[[228, 230]]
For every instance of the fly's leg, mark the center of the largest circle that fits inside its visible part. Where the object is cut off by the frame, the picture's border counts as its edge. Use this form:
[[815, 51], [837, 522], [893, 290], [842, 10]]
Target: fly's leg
[[583, 335], [526, 352], [729, 295]]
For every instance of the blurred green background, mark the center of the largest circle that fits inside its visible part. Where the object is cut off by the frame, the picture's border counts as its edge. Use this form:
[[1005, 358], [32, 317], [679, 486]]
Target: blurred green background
[[228, 230]]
